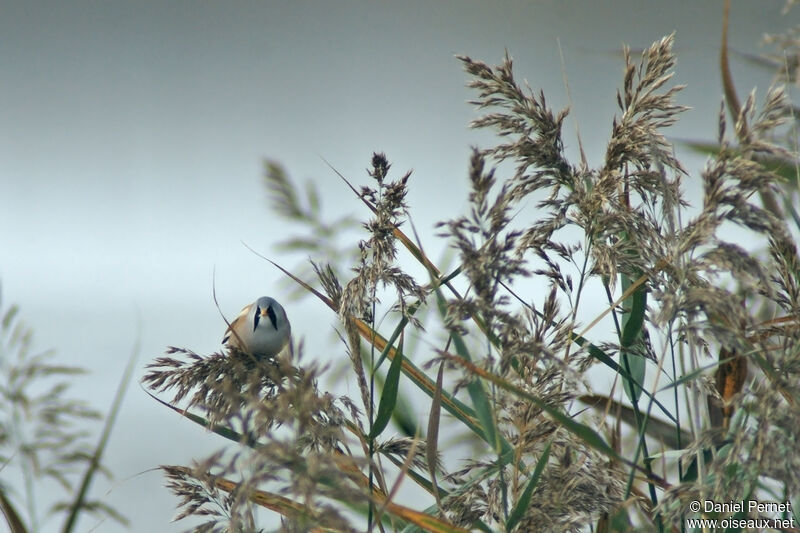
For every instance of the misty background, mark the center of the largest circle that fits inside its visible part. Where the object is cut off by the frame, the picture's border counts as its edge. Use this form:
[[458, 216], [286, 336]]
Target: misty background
[[133, 135]]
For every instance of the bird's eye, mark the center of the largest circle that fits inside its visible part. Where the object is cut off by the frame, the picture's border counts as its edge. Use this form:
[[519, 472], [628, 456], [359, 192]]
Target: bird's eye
[[272, 317], [256, 318]]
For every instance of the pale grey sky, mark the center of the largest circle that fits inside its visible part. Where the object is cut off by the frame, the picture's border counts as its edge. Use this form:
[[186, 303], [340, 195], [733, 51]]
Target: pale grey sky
[[132, 136]]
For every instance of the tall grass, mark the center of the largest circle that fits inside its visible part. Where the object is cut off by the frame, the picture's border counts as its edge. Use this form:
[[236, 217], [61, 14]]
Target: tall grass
[[45, 430], [700, 333]]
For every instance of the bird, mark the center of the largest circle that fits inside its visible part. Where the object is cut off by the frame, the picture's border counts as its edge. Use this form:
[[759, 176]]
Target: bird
[[261, 329]]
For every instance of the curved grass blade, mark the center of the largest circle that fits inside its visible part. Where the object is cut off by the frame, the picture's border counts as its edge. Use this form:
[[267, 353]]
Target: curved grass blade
[[274, 502], [477, 393], [291, 508], [389, 394], [424, 521], [222, 431], [633, 319], [402, 416], [656, 428], [10, 513], [433, 433], [525, 499], [632, 323], [94, 463]]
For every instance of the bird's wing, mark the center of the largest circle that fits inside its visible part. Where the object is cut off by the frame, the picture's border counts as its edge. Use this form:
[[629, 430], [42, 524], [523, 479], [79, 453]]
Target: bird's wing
[[235, 323]]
